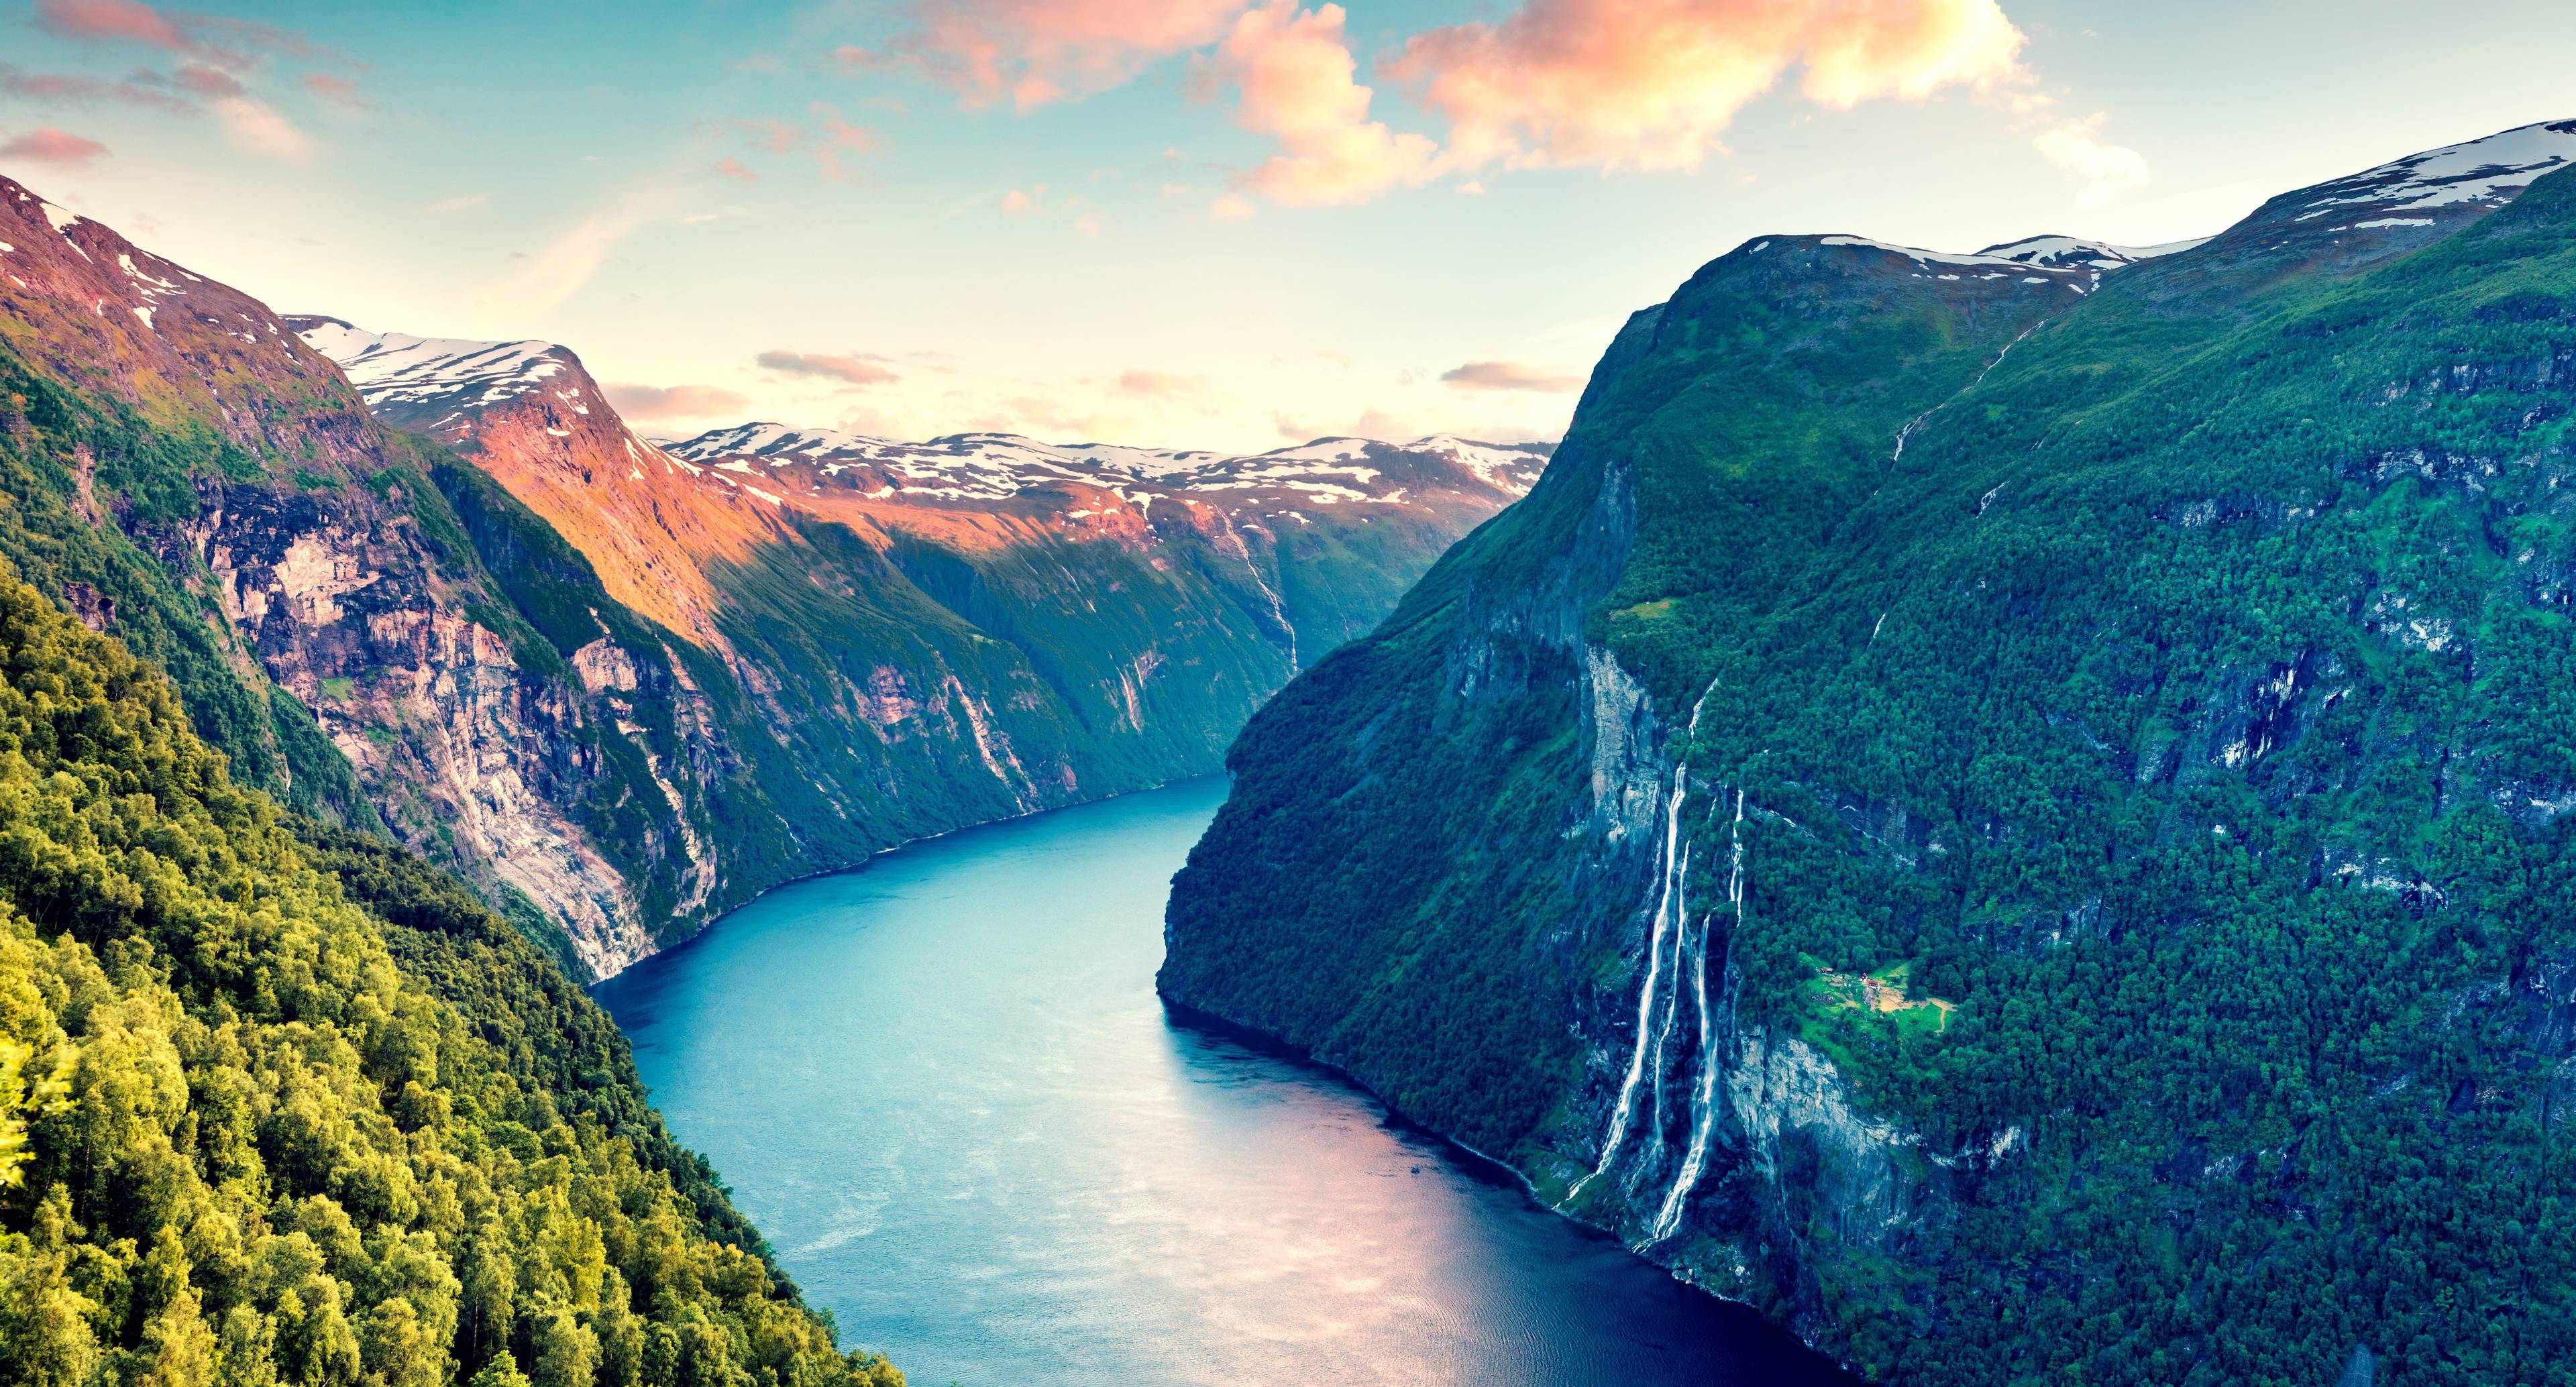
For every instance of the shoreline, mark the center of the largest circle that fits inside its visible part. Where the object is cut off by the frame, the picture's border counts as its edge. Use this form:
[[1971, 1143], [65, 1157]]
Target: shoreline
[[592, 987], [1476, 1163]]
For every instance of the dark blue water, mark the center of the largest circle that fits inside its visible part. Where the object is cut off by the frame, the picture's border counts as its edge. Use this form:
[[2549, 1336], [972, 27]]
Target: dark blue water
[[944, 1087]]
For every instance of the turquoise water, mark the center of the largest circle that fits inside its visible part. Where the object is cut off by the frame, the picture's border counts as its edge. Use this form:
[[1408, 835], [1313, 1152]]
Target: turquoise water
[[944, 1086]]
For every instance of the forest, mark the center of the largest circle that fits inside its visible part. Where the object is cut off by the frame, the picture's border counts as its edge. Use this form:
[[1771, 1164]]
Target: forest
[[282, 1104], [2179, 719]]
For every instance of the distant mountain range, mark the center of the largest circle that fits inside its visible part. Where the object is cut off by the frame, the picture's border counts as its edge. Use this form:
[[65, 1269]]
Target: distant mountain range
[[622, 686], [2011, 810]]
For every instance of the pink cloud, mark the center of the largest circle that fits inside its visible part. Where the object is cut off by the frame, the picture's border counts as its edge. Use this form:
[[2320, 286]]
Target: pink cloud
[[831, 138], [1032, 52], [333, 88], [1295, 75], [258, 127], [1156, 385], [776, 136], [207, 81], [1652, 84], [835, 136], [141, 90], [672, 401], [96, 20], [1511, 375], [232, 43], [52, 146], [848, 370], [735, 168]]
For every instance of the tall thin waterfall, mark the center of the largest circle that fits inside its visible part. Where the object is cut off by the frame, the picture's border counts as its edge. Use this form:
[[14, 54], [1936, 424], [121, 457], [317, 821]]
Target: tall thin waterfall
[[1671, 863], [1678, 888], [1704, 1103]]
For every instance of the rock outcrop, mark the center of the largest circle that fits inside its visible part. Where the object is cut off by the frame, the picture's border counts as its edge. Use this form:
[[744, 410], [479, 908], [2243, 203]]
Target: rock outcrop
[[622, 688], [1996, 807]]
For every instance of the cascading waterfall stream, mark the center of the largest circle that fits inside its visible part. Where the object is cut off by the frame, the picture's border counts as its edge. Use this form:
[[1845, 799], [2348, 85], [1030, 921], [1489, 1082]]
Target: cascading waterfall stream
[[1704, 1103], [1278, 609], [1619, 1115], [1678, 887]]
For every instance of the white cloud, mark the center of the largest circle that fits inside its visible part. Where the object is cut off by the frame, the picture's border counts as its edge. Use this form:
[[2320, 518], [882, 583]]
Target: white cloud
[[2105, 171], [560, 270], [260, 128]]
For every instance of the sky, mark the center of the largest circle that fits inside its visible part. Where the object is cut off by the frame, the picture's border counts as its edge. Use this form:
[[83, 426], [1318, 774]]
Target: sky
[[1179, 223]]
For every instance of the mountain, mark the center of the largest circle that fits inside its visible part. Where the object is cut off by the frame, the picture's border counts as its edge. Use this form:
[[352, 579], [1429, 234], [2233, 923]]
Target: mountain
[[185, 473], [2012, 818], [822, 646], [280, 1103], [622, 690]]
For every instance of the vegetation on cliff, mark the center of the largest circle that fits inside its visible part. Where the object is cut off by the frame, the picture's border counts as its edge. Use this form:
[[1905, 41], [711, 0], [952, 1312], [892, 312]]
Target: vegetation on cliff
[[2184, 706], [300, 1112]]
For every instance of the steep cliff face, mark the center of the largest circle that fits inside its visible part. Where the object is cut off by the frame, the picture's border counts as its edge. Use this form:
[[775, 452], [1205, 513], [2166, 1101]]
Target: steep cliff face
[[2005, 809], [178, 451], [819, 646], [618, 688]]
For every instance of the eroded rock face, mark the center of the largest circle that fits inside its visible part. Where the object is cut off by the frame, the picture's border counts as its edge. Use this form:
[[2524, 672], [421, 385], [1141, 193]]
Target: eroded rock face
[[303, 530], [635, 685], [466, 753]]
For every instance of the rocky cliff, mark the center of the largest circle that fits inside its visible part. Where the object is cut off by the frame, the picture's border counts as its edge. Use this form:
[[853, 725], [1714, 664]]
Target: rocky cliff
[[215, 494], [622, 688], [2007, 809]]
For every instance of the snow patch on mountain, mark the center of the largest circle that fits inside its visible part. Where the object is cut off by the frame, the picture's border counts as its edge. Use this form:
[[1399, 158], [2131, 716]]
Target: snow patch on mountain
[[997, 466], [406, 372], [2485, 173], [395, 367], [1935, 257], [2076, 253]]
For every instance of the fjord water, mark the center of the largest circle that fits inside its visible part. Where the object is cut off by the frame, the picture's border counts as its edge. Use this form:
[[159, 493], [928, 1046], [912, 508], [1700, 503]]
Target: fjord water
[[945, 1088]]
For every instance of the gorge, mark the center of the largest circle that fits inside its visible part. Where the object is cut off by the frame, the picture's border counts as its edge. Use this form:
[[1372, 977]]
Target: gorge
[[1985, 817], [978, 1136], [622, 688]]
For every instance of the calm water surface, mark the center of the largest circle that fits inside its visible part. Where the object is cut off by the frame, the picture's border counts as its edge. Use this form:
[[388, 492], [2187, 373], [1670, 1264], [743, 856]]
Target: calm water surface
[[944, 1087]]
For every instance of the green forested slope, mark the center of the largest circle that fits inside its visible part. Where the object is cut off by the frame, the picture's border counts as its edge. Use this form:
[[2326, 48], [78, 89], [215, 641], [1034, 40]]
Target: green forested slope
[[278, 1112], [2177, 736]]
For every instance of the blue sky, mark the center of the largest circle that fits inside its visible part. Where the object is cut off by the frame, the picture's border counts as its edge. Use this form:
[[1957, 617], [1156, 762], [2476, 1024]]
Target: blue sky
[[1172, 221]]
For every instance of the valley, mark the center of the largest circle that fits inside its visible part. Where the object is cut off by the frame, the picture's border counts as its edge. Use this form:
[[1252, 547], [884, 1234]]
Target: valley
[[1977, 819], [622, 688]]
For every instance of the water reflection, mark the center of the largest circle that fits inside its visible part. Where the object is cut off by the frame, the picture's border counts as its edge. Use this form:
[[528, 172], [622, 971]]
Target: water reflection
[[945, 1088]]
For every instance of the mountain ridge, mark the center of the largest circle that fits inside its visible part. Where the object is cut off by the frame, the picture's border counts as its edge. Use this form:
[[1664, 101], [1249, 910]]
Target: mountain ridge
[[1952, 794], [618, 690]]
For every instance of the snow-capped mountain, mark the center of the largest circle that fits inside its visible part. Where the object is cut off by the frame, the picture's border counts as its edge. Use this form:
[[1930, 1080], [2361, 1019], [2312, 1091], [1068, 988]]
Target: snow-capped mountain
[[2361, 219], [2077, 265], [2477, 174], [2075, 253], [461, 391], [998, 466], [879, 639], [391, 368]]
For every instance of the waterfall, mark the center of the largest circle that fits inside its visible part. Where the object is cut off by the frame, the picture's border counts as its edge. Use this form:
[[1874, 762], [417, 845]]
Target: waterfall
[[1916, 422], [1619, 1115], [1278, 609], [1672, 986], [1704, 1103]]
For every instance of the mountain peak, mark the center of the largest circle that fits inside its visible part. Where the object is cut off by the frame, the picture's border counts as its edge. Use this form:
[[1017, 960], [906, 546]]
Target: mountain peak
[[2075, 252], [2485, 173], [394, 368], [2363, 218]]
